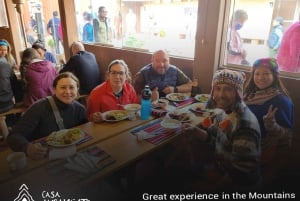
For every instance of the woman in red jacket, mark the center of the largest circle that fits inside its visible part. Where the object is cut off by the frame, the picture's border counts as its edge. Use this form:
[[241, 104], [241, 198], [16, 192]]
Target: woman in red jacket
[[113, 93]]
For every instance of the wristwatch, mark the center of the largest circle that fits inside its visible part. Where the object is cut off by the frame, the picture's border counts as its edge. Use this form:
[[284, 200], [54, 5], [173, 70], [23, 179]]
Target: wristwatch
[[175, 90]]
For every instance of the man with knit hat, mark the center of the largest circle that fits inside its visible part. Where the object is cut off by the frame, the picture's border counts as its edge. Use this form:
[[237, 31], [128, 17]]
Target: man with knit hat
[[234, 134]]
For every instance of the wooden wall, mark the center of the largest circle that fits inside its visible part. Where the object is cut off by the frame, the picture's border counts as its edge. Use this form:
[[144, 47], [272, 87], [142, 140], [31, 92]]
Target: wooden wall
[[134, 60]]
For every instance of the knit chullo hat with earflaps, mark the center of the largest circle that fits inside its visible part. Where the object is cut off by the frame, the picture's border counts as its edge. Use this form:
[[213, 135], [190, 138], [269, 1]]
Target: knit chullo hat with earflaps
[[235, 79]]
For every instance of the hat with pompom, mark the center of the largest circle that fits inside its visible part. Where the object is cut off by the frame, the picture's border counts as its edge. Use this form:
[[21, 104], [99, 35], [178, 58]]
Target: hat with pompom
[[235, 79], [271, 63]]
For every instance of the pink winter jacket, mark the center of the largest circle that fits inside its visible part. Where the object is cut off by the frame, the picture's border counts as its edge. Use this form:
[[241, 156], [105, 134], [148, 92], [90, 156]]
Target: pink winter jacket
[[39, 76], [288, 56]]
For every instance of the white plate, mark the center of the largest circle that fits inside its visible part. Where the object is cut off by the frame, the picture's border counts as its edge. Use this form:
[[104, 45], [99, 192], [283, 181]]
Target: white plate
[[203, 98], [132, 107], [119, 115], [57, 138], [170, 123], [177, 97], [182, 116]]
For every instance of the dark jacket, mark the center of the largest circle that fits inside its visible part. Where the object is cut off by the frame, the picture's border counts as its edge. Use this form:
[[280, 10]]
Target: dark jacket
[[39, 121], [7, 79], [84, 65]]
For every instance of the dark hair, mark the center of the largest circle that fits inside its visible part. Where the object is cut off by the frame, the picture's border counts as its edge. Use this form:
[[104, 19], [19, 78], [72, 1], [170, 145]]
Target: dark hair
[[89, 17], [38, 45], [28, 55], [55, 13], [101, 8], [65, 75], [250, 86]]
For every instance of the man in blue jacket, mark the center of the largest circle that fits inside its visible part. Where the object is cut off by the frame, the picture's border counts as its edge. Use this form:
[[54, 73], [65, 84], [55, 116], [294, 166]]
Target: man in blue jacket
[[83, 64]]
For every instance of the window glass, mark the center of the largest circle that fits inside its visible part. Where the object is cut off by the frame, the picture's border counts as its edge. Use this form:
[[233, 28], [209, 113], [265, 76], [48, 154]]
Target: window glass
[[42, 23], [145, 25], [255, 28], [3, 17]]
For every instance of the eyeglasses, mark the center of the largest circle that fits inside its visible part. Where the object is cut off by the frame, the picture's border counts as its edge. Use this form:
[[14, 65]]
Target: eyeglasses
[[121, 73]]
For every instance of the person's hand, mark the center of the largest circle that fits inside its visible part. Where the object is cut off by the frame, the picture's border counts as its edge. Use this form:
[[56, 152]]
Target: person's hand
[[36, 151], [168, 90], [97, 117], [269, 118]]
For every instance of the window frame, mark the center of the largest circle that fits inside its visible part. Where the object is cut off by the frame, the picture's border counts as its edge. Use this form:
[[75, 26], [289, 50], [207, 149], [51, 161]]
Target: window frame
[[227, 10]]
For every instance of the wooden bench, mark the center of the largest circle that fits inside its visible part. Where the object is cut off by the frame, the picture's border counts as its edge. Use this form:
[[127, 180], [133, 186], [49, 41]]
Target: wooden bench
[[19, 108]]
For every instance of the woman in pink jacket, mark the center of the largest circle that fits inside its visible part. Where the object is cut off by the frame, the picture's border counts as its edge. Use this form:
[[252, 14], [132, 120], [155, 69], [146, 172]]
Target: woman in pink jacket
[[113, 93], [288, 57], [37, 75]]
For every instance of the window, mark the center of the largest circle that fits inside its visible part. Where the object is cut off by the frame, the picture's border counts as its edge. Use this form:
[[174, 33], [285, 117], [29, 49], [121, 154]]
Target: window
[[42, 22], [144, 25], [3, 17], [254, 29]]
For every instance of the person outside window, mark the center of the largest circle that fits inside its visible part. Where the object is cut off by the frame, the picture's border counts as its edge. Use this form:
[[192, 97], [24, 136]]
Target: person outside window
[[235, 144], [83, 64], [236, 53], [162, 76], [88, 32], [101, 25], [288, 57], [53, 29], [37, 76], [268, 99], [115, 92], [39, 120], [275, 37]]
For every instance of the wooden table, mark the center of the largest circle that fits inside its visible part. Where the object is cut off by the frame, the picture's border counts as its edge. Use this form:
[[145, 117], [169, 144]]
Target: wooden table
[[115, 138]]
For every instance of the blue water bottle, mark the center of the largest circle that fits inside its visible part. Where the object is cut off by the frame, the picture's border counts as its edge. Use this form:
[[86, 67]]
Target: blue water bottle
[[146, 103]]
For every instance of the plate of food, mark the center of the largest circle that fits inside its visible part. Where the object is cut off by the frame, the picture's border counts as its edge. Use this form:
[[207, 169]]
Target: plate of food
[[182, 116], [115, 115], [203, 98], [177, 97], [170, 123], [201, 109], [64, 137]]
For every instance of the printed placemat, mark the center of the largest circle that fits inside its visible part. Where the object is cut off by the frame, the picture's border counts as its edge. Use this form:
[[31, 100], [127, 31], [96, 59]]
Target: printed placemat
[[154, 132], [185, 102], [81, 165]]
